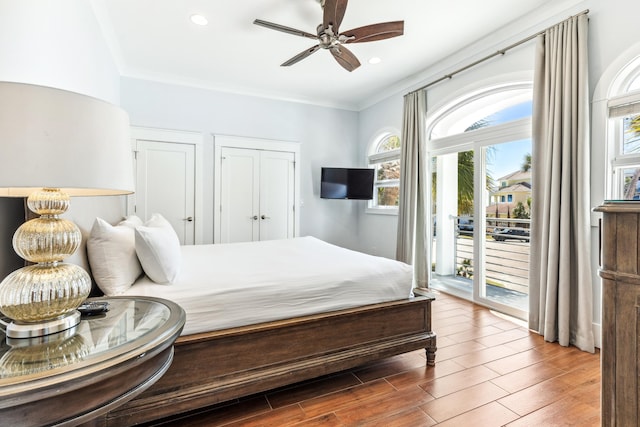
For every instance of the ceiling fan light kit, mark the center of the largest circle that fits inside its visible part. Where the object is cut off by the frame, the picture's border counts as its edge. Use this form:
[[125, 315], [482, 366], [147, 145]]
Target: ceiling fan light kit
[[329, 36], [199, 19]]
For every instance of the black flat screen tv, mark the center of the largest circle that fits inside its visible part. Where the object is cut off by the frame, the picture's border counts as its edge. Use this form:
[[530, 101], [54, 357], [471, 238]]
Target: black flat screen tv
[[346, 183]]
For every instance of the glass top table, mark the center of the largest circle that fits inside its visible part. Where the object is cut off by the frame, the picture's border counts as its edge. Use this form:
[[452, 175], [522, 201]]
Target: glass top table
[[76, 375]]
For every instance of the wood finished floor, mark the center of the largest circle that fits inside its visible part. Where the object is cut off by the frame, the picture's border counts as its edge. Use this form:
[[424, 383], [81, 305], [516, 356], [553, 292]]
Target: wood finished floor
[[489, 372]]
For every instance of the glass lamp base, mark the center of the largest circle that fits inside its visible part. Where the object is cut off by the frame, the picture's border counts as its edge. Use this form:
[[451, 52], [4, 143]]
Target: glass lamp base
[[32, 330]]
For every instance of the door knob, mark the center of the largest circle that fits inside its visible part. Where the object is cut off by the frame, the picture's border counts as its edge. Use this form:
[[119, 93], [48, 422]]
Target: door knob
[[189, 219], [265, 217], [255, 217]]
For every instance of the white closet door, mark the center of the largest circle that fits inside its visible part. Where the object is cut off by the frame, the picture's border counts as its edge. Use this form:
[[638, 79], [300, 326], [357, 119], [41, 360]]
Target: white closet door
[[239, 195], [277, 185], [165, 184], [256, 189]]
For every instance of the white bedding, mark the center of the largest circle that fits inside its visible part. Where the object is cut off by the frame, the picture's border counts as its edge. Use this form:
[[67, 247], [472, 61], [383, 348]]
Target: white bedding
[[227, 285]]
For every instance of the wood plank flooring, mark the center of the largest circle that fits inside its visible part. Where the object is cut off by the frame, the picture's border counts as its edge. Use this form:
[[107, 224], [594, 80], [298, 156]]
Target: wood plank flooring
[[489, 371]]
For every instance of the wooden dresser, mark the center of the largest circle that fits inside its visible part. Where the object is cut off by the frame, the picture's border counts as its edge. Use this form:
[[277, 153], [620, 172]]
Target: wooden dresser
[[620, 272]]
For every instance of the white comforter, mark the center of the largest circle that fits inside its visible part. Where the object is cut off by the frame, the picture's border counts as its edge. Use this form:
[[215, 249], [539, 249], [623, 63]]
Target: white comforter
[[227, 285]]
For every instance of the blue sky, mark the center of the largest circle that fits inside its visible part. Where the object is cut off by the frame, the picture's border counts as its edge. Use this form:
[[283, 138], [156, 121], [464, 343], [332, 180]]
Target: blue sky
[[507, 158]]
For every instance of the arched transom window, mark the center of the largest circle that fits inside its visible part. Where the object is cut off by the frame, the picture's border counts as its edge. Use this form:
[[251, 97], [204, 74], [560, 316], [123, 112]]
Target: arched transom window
[[384, 157], [623, 141]]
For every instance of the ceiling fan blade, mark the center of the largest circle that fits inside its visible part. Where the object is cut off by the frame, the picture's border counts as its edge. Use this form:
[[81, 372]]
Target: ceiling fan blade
[[345, 58], [284, 29], [369, 33], [333, 13], [299, 57]]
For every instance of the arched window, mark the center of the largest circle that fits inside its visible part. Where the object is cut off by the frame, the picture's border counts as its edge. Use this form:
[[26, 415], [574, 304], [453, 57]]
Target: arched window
[[486, 108], [493, 123], [384, 157], [624, 134], [480, 150]]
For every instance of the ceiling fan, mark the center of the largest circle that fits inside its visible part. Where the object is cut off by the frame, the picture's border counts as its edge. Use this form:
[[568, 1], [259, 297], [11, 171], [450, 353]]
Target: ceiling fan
[[329, 35]]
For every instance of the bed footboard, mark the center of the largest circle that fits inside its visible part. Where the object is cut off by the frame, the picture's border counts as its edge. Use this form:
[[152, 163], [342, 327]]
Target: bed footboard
[[223, 365]]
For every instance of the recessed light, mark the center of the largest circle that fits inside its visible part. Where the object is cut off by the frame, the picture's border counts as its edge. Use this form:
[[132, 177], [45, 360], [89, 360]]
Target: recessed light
[[199, 20], [375, 60]]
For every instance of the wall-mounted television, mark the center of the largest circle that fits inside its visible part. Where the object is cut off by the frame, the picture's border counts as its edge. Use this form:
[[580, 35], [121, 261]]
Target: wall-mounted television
[[346, 183]]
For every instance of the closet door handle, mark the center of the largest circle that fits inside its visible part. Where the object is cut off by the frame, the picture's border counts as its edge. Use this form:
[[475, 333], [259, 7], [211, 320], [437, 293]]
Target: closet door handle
[[255, 217], [265, 217], [189, 219]]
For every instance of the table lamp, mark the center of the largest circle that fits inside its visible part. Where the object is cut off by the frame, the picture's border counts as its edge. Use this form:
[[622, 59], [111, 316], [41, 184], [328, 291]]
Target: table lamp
[[55, 144]]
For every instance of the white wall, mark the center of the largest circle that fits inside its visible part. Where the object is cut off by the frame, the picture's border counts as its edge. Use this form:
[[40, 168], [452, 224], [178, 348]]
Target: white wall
[[378, 232], [328, 137], [51, 43], [58, 44]]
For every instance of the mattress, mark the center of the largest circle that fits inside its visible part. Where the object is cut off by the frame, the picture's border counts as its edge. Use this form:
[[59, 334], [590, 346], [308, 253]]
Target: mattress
[[235, 284]]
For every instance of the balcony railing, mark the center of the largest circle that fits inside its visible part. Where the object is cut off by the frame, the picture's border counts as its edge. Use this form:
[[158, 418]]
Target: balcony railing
[[507, 251]]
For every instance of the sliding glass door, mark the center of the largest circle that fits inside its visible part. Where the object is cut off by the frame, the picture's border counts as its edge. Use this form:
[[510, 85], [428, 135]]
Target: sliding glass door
[[507, 220], [481, 204]]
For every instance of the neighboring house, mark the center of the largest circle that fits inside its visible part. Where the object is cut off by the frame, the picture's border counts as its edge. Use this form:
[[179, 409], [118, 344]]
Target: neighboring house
[[512, 189]]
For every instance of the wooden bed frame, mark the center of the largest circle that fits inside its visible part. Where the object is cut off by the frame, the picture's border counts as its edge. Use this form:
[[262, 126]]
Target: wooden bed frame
[[219, 366]]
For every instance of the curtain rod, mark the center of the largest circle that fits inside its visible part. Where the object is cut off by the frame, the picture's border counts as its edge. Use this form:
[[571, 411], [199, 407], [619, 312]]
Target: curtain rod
[[499, 52]]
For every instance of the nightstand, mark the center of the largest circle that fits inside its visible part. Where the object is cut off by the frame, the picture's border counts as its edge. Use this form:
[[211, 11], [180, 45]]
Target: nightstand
[[74, 376]]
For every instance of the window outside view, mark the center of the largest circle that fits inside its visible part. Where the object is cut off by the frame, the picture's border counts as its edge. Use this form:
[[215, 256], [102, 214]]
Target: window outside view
[[624, 109], [631, 146], [386, 161]]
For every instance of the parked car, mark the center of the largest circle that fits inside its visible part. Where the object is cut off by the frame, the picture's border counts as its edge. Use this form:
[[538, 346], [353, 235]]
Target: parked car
[[502, 234], [465, 226]]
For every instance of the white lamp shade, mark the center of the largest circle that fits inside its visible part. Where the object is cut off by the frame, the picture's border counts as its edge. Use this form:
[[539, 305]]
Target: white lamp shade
[[59, 139]]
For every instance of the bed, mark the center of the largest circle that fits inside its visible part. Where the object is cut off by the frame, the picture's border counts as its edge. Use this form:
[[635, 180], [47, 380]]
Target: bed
[[333, 309]]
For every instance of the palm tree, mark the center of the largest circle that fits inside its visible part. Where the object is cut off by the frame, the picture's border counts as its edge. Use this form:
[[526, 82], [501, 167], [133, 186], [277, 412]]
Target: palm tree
[[465, 182], [634, 124], [465, 176], [526, 164]]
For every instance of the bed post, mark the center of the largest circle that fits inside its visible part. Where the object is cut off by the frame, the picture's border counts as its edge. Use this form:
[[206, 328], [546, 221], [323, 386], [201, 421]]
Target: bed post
[[431, 347], [431, 351]]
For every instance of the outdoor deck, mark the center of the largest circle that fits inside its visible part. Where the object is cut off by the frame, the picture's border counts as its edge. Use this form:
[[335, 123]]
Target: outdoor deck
[[507, 272]]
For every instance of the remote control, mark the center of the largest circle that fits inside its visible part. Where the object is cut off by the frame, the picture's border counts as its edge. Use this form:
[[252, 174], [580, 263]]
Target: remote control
[[93, 307]]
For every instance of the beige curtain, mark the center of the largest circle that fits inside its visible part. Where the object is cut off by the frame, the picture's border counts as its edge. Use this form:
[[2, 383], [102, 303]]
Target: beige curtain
[[560, 303], [412, 215]]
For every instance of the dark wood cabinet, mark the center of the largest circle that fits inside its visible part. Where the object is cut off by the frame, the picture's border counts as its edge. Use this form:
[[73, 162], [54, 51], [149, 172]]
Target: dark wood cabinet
[[620, 273]]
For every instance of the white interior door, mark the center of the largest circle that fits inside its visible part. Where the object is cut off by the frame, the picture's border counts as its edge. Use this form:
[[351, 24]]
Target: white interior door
[[277, 185], [239, 195], [254, 178], [165, 184]]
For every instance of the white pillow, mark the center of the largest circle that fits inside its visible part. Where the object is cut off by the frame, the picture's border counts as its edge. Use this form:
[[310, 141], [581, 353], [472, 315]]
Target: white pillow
[[158, 249], [112, 255]]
